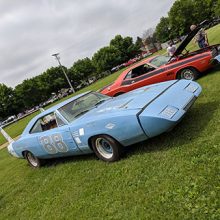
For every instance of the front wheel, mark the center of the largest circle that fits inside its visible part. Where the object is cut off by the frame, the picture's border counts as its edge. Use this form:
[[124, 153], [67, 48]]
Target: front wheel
[[32, 160], [189, 74], [106, 148]]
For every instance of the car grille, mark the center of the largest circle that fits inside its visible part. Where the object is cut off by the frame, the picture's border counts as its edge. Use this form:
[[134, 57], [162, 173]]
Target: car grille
[[190, 103]]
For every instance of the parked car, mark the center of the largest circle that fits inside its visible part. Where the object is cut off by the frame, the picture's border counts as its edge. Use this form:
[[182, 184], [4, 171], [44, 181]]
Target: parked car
[[93, 122], [161, 68], [82, 85], [114, 69], [129, 62]]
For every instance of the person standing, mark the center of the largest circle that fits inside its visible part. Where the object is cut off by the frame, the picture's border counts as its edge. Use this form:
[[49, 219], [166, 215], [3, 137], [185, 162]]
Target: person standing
[[201, 37], [171, 49]]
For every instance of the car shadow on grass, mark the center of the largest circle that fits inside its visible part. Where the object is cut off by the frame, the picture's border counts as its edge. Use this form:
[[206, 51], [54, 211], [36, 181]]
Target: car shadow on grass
[[70, 159], [188, 130], [213, 70]]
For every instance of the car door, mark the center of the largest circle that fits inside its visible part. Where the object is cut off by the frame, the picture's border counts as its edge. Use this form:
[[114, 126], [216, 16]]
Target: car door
[[81, 135], [55, 140], [138, 77], [149, 76]]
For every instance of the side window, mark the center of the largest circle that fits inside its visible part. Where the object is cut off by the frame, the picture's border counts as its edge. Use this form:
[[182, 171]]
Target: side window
[[148, 68], [138, 71], [45, 123], [37, 127], [128, 76], [60, 122]]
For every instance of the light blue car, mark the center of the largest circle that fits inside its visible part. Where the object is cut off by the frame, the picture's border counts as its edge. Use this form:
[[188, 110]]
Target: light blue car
[[92, 122]]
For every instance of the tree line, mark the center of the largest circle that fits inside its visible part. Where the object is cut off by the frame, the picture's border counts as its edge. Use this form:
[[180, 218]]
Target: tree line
[[182, 15], [33, 91], [38, 89]]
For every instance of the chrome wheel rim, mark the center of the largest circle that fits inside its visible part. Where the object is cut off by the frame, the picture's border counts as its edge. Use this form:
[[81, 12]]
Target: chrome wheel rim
[[188, 74], [32, 159], [104, 148]]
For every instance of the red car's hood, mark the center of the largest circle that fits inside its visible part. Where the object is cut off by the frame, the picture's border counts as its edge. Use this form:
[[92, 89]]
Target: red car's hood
[[189, 37]]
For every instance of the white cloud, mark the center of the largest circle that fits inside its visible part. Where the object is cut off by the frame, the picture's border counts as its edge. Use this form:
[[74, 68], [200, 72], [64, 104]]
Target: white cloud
[[32, 30]]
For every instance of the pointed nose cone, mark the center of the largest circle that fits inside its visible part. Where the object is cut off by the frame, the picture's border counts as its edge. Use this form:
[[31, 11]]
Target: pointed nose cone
[[11, 149]]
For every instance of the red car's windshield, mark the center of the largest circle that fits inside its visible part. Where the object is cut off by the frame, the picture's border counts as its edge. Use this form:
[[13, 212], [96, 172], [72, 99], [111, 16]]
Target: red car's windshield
[[160, 60]]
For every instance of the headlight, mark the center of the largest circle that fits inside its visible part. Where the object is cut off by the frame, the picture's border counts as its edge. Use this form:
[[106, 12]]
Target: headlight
[[169, 112], [191, 88]]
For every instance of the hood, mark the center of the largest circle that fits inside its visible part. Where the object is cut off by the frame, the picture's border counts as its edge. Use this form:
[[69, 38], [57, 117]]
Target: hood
[[188, 38], [105, 87], [136, 99]]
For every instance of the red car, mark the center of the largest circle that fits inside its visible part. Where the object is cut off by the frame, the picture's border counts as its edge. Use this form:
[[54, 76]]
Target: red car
[[161, 68], [131, 61]]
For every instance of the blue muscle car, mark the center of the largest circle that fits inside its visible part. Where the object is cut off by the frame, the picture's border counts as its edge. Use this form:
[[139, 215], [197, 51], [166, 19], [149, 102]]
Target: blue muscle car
[[93, 122]]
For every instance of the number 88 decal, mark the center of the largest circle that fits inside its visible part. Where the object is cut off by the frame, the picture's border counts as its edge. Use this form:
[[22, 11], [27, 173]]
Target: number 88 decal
[[53, 144]]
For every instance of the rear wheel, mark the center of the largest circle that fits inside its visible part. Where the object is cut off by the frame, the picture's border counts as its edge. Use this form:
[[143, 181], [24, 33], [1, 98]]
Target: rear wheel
[[188, 73], [106, 148], [32, 160]]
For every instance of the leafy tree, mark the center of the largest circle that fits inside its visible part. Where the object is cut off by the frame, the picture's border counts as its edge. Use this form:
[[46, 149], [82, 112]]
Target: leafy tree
[[135, 48], [105, 58], [217, 8], [204, 9], [138, 43], [184, 13], [32, 92], [28, 92], [53, 80], [181, 16], [7, 102], [162, 31], [82, 69], [125, 46]]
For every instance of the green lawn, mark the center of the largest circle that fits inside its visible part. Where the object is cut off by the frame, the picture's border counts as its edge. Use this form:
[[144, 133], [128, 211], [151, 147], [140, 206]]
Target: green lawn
[[172, 176]]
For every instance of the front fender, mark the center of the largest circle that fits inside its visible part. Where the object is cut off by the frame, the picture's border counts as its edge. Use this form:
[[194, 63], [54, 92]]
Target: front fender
[[124, 127]]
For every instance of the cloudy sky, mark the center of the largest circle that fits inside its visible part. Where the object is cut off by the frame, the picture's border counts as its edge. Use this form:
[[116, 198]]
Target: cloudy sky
[[32, 30]]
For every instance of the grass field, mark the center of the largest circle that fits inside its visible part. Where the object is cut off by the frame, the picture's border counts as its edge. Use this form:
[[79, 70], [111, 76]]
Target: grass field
[[173, 176]]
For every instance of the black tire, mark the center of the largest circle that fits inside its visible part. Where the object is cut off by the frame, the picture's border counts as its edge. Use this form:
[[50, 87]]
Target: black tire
[[188, 73], [106, 148], [32, 160]]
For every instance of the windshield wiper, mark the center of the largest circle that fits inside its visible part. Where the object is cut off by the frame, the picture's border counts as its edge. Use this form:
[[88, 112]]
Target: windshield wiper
[[81, 113], [100, 102]]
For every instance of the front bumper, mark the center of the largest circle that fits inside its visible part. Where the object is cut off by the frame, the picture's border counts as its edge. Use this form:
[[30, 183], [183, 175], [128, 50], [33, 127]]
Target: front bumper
[[11, 150]]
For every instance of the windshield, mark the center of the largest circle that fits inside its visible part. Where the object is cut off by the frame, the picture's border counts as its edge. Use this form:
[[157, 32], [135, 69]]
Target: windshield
[[80, 106], [160, 60]]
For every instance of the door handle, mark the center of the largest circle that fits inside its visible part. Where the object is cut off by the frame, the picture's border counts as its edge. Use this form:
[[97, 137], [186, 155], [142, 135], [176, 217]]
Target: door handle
[[133, 81]]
